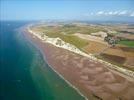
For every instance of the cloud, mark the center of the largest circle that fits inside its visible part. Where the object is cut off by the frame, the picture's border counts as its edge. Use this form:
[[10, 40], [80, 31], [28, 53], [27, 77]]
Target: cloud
[[111, 13], [88, 14], [100, 12], [107, 13], [123, 12], [115, 13], [132, 14]]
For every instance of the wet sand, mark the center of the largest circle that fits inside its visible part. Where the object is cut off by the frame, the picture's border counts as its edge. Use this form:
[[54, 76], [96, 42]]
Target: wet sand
[[90, 77]]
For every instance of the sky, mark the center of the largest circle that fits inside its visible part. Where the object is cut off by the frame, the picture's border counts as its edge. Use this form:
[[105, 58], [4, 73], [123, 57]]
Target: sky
[[102, 10]]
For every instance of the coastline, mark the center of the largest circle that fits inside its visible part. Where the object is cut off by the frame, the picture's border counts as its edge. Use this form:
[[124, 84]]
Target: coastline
[[45, 49], [32, 40], [57, 42], [67, 81]]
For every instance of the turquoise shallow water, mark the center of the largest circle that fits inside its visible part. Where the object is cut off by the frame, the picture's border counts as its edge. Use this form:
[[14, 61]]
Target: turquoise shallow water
[[24, 75]]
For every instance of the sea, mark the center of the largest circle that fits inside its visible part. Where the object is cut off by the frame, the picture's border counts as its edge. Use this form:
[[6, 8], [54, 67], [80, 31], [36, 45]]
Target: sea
[[24, 74]]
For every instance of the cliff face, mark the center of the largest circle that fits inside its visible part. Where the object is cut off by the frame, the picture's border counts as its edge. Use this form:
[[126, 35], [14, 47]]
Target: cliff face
[[62, 44]]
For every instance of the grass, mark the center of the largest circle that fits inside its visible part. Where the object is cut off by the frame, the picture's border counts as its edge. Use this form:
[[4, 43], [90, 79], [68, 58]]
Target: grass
[[69, 29], [79, 29], [63, 33], [78, 42], [129, 43]]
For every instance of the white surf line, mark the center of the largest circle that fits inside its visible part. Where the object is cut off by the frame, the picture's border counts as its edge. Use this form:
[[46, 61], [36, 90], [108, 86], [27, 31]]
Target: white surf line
[[61, 44]]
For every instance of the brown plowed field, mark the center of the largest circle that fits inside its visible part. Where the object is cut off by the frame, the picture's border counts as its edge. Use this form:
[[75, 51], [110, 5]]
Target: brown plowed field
[[120, 55]]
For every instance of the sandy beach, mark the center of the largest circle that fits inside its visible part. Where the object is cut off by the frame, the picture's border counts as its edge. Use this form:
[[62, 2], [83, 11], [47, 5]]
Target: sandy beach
[[92, 78]]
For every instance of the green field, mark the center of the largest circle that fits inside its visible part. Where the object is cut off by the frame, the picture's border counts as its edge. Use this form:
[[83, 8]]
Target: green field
[[68, 29], [64, 32], [127, 42]]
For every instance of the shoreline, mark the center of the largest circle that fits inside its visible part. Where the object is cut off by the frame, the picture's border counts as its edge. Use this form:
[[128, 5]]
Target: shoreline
[[72, 48], [60, 75], [78, 91], [56, 69]]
